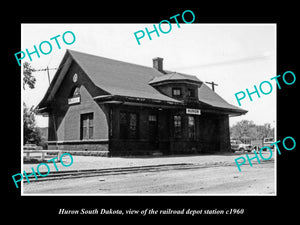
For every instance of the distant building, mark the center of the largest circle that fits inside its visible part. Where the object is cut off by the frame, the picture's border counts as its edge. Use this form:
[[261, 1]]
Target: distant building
[[101, 104]]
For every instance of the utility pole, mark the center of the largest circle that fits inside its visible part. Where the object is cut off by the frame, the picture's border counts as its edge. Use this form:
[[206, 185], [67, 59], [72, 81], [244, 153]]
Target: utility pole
[[48, 74], [54, 124], [46, 69], [213, 84]]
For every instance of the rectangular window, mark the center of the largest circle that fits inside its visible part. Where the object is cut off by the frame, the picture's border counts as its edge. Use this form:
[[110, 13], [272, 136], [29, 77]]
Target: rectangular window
[[128, 125], [86, 126], [123, 125], [191, 93], [191, 127], [177, 126], [176, 92], [132, 125], [152, 118], [91, 127]]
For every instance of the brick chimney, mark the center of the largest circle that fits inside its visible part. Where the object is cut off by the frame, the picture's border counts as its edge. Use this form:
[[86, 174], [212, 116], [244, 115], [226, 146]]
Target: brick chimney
[[158, 64]]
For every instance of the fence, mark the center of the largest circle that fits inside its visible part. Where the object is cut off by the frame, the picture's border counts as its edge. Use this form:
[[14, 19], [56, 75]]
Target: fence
[[28, 152]]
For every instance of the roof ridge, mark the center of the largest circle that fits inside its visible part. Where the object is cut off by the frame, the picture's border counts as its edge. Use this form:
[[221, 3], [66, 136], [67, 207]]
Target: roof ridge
[[115, 60], [172, 75]]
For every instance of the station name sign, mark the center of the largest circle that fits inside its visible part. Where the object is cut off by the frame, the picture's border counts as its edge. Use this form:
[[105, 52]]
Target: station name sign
[[193, 111], [74, 100]]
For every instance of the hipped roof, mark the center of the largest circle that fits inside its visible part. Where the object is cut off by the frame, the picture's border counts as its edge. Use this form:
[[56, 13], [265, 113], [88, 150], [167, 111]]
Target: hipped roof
[[174, 76]]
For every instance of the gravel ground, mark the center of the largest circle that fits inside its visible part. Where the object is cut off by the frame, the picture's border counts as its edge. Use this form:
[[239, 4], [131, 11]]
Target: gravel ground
[[92, 162], [224, 180]]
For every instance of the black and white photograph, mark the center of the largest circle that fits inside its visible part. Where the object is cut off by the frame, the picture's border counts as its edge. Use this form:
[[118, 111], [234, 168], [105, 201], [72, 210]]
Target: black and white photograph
[[169, 112], [157, 118]]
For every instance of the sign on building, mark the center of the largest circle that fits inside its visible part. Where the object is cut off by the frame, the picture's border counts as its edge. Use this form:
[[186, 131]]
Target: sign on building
[[74, 100], [193, 111]]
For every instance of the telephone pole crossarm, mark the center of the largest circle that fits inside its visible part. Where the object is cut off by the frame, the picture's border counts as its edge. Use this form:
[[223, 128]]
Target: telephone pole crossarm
[[45, 69], [213, 84]]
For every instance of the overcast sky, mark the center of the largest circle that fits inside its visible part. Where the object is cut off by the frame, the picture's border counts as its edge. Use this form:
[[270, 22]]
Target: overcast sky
[[235, 56]]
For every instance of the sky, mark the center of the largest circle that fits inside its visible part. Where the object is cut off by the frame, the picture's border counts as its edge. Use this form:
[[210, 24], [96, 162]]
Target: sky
[[235, 56]]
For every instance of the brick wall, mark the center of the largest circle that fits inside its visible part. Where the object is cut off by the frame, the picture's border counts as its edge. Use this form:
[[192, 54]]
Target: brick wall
[[143, 144], [224, 134]]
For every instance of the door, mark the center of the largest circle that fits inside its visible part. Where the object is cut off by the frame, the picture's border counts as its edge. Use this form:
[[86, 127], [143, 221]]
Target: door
[[153, 131]]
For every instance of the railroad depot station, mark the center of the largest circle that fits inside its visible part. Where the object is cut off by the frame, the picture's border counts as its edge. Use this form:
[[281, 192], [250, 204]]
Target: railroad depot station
[[119, 108]]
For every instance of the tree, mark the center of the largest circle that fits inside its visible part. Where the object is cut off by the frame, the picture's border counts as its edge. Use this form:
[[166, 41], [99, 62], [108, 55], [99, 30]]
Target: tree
[[247, 129], [265, 131], [28, 79], [244, 128], [31, 133]]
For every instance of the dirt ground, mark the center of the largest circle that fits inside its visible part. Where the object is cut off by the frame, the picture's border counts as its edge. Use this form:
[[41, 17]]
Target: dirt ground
[[92, 162], [220, 177]]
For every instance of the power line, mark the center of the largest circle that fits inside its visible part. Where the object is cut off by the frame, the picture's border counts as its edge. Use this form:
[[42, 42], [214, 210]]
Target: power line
[[53, 118], [46, 69]]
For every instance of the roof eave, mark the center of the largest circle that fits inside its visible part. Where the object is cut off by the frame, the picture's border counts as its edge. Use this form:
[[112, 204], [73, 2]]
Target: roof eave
[[187, 81], [67, 59], [119, 98]]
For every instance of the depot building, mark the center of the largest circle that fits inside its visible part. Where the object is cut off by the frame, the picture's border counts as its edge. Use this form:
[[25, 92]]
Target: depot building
[[118, 108]]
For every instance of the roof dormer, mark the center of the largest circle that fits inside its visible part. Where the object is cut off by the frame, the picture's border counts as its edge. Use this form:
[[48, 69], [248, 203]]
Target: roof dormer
[[177, 85]]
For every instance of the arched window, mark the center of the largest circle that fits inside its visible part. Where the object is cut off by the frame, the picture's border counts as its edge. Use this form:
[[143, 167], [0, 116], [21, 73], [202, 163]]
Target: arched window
[[75, 92], [74, 96]]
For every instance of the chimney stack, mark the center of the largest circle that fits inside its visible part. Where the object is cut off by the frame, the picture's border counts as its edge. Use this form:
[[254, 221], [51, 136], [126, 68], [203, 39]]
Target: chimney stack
[[158, 64]]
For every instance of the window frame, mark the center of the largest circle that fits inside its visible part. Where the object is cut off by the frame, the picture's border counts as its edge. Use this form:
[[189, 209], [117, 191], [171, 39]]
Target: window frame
[[174, 89], [126, 124], [152, 118], [177, 125], [75, 92], [193, 91], [86, 126], [133, 133], [192, 128]]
